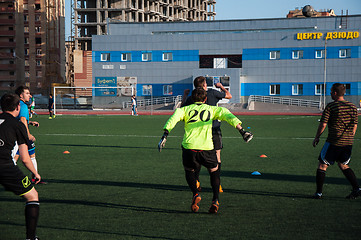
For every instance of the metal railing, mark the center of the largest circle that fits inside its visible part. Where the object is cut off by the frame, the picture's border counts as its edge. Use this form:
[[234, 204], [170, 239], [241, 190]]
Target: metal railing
[[285, 101], [155, 101]]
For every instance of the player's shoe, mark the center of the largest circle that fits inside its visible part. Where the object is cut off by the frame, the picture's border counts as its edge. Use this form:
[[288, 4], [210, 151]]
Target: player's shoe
[[54, 116], [196, 199], [36, 238], [354, 194], [220, 189], [198, 184], [50, 118], [214, 207], [317, 196]]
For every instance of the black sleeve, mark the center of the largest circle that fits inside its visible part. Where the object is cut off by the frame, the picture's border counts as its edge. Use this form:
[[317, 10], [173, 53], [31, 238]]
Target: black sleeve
[[188, 102], [21, 134]]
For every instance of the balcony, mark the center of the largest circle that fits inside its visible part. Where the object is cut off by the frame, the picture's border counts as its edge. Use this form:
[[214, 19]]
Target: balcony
[[7, 78], [7, 44], [7, 33], [7, 22], [6, 55], [7, 10], [8, 67]]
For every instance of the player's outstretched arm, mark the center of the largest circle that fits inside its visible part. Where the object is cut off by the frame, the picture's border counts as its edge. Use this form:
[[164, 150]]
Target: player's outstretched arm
[[247, 136], [162, 141]]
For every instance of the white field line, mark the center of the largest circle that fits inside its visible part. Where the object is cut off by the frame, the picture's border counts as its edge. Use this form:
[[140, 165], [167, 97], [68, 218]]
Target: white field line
[[147, 136]]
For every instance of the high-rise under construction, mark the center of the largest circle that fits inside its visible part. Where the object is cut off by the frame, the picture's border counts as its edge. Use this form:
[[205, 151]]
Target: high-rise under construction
[[90, 18]]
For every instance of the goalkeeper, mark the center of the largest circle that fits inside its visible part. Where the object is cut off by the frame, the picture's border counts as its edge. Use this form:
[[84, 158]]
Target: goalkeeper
[[197, 145]]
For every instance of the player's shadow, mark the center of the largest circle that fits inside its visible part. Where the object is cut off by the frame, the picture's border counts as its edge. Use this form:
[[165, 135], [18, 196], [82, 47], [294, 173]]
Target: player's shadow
[[105, 146], [282, 177], [103, 233]]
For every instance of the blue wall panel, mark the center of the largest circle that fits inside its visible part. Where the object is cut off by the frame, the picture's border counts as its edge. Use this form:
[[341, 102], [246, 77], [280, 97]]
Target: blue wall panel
[[308, 53]]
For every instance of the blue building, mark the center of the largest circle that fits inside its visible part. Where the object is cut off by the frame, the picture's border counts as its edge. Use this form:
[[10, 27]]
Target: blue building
[[287, 57]]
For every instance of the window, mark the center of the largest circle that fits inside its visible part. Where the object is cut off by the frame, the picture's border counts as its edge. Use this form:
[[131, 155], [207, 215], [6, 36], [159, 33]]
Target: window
[[27, 74], [146, 57], [38, 63], [26, 62], [167, 90], [220, 63], [167, 56], [147, 90], [274, 55], [319, 53], [225, 81], [297, 54], [25, 6], [297, 89], [126, 57], [274, 89], [37, 40], [105, 57], [39, 73], [38, 51], [26, 18], [37, 17], [37, 7], [344, 53], [348, 88], [37, 29], [26, 40], [26, 29], [319, 89], [26, 51]]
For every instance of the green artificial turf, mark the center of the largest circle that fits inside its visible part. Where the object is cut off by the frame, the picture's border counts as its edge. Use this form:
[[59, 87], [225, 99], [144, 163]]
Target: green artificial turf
[[115, 184]]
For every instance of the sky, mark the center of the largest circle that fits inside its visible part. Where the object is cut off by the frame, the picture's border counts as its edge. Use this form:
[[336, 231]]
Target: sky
[[256, 9]]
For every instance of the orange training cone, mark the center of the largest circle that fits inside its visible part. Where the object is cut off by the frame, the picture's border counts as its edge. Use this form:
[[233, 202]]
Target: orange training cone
[[263, 156], [66, 152]]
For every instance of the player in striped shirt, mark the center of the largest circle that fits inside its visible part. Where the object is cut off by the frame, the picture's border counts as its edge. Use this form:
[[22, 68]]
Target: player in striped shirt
[[341, 117], [197, 144]]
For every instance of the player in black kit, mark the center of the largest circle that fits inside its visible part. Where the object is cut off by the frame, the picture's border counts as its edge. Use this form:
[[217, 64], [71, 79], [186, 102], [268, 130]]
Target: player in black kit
[[13, 136]]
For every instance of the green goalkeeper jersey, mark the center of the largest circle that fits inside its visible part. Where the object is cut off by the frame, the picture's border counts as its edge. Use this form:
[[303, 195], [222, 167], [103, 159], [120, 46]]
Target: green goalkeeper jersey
[[198, 119]]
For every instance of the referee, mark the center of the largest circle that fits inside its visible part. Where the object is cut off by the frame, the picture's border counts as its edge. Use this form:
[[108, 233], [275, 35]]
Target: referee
[[13, 136]]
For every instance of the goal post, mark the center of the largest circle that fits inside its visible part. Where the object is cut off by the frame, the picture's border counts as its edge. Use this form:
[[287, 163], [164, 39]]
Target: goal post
[[91, 97]]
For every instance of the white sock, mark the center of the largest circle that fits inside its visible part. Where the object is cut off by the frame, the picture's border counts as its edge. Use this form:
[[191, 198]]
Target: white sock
[[33, 159]]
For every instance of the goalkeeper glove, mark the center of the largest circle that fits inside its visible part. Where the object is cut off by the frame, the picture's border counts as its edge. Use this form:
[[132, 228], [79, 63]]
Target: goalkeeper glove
[[247, 136], [162, 141]]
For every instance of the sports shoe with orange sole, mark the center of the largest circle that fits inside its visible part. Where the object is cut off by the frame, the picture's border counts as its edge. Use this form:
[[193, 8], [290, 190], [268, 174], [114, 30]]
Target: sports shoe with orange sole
[[214, 207], [196, 199]]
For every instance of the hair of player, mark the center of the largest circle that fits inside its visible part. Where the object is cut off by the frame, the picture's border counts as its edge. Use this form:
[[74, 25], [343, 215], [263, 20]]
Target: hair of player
[[9, 102], [199, 81], [21, 89], [199, 95], [51, 95], [339, 89]]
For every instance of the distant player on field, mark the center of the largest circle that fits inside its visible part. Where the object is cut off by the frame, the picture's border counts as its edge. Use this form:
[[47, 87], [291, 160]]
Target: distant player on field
[[213, 97], [13, 136], [197, 145], [341, 117]]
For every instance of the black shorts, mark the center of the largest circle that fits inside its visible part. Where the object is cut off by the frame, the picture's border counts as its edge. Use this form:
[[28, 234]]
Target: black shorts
[[193, 159], [217, 138], [331, 154], [14, 180]]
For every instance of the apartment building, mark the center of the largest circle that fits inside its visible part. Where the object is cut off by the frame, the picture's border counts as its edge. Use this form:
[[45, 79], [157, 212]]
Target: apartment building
[[32, 46]]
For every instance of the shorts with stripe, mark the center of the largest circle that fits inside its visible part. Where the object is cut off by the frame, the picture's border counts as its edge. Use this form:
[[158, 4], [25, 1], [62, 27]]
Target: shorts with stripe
[[331, 154], [217, 138], [193, 159], [14, 180]]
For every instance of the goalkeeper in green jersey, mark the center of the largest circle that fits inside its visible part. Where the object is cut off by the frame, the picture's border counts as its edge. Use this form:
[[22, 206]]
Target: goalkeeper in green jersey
[[197, 144]]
